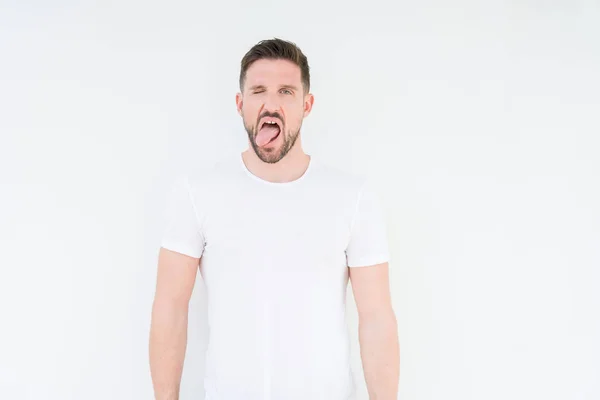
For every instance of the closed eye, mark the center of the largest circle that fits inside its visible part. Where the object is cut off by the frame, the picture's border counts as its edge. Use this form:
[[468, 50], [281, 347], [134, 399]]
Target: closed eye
[[284, 91]]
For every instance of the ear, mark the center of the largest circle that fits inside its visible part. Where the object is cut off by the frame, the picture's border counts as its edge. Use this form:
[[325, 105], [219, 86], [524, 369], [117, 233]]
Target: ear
[[309, 100], [239, 103]]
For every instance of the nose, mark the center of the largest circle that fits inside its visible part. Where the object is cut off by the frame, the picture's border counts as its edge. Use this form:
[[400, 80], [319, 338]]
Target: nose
[[271, 103]]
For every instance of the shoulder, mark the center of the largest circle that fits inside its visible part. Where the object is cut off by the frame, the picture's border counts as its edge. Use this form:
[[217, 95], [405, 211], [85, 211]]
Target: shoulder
[[205, 181], [338, 179], [216, 173]]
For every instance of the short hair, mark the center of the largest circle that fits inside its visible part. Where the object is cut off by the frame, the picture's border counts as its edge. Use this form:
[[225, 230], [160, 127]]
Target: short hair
[[276, 49]]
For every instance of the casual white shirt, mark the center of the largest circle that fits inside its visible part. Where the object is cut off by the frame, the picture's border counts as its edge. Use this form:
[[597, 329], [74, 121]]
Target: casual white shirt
[[275, 259]]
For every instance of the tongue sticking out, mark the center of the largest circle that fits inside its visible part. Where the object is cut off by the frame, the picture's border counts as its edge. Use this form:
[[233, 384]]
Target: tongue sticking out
[[266, 134]]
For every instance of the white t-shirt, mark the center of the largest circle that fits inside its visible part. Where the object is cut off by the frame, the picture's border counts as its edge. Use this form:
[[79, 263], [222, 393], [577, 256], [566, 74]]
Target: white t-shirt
[[274, 259]]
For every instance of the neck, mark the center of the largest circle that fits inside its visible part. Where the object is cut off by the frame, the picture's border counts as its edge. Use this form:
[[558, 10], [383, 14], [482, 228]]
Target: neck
[[288, 169]]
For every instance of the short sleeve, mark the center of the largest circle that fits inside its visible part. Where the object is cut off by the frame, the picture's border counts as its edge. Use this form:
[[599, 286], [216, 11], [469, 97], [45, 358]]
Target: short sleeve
[[182, 232], [368, 244]]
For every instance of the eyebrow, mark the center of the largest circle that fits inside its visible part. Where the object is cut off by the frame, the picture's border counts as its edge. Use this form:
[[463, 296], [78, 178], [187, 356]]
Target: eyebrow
[[254, 87]]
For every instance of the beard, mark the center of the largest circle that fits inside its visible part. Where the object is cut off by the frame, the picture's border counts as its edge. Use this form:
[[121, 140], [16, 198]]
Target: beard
[[272, 155]]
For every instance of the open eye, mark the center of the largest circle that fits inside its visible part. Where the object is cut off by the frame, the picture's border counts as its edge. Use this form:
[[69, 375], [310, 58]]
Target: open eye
[[286, 91]]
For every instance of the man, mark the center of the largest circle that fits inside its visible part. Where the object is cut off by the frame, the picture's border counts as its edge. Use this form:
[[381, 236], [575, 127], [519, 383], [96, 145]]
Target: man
[[277, 235]]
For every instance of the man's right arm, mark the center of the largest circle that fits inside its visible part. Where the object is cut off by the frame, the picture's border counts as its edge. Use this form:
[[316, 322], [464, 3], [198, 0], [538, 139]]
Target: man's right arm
[[168, 331]]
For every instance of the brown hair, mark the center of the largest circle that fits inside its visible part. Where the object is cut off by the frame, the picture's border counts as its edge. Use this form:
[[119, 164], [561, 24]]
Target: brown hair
[[276, 49]]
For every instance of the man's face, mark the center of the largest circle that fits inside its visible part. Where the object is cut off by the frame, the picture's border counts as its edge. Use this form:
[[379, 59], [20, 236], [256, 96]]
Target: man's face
[[273, 105]]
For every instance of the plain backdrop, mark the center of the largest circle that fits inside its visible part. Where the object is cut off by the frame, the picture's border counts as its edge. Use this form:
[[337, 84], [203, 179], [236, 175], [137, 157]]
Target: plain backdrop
[[478, 122]]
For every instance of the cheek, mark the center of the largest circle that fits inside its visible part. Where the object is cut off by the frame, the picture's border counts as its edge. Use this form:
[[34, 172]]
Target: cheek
[[295, 118], [249, 105], [249, 112], [294, 112]]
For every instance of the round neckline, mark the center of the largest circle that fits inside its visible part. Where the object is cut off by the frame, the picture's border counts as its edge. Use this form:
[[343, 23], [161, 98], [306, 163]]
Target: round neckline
[[276, 184]]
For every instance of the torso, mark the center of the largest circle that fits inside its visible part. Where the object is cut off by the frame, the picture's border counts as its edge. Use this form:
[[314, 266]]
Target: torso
[[274, 266]]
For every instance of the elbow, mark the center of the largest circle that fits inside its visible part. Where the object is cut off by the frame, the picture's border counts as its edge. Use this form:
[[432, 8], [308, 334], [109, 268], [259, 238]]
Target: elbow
[[381, 320], [169, 310], [169, 305]]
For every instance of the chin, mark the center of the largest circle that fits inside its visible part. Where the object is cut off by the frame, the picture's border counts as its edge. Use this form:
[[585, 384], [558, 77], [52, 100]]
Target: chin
[[271, 157]]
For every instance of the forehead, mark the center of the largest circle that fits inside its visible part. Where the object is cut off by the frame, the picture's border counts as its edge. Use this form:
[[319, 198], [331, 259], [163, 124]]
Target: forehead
[[272, 73]]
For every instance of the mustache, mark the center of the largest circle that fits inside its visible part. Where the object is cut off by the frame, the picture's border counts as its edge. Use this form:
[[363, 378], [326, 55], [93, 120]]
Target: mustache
[[270, 115]]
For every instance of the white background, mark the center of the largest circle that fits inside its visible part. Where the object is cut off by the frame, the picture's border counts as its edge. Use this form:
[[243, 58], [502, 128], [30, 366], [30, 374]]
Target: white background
[[478, 121]]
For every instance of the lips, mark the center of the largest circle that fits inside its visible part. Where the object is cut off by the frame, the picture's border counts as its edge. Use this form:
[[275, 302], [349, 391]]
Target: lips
[[270, 121]]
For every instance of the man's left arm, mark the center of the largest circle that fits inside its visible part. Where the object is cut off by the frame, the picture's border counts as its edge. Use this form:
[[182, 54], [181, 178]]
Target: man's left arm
[[378, 330]]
